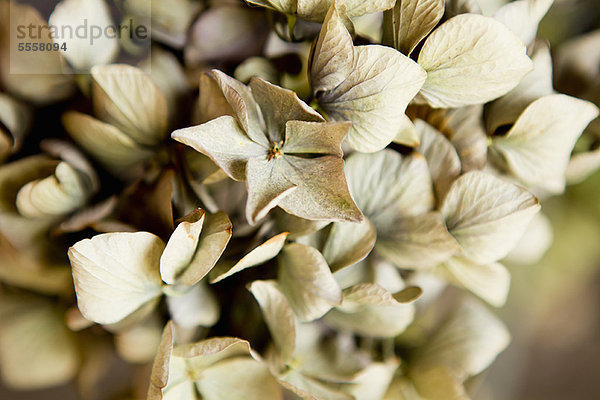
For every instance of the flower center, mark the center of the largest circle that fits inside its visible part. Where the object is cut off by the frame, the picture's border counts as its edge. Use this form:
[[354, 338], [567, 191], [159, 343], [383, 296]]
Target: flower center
[[275, 150]]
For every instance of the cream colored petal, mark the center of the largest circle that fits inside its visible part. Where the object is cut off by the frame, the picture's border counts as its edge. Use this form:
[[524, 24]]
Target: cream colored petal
[[84, 53], [61, 193], [115, 274], [238, 379], [407, 134], [303, 137], [243, 105], [278, 106], [536, 84], [321, 190], [487, 215], [106, 143], [374, 96], [348, 243], [215, 235], [160, 367], [181, 247], [278, 316], [333, 54], [197, 306], [307, 282], [523, 16], [126, 97], [256, 256], [385, 183], [491, 282], [414, 19], [468, 136], [224, 142], [370, 310], [471, 59], [416, 241], [267, 186], [537, 148], [442, 159], [38, 351], [467, 343]]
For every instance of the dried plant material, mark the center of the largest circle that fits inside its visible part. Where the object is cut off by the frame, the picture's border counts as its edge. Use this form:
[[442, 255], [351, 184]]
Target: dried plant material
[[256, 256], [368, 85], [37, 348], [490, 281], [227, 32], [307, 282], [40, 77], [293, 162], [471, 59], [467, 343], [536, 84], [353, 166], [412, 20], [123, 289], [487, 216], [127, 98], [15, 121], [143, 259], [370, 310], [81, 56], [442, 159], [536, 149], [523, 16], [315, 10]]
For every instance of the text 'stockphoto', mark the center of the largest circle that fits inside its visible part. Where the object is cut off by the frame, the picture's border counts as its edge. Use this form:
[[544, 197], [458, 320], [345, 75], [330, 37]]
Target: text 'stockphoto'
[[299, 199]]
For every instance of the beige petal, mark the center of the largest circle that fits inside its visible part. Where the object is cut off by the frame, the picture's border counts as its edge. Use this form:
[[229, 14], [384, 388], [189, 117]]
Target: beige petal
[[467, 343], [368, 85], [416, 241], [414, 19], [523, 16], [321, 190], [471, 59], [115, 274], [238, 378], [38, 351], [126, 97], [197, 306], [370, 310], [256, 256], [442, 159], [491, 281], [307, 282], [487, 215], [278, 316], [84, 53], [112, 148], [232, 149], [536, 84], [303, 137], [348, 243], [216, 232], [278, 106], [537, 148]]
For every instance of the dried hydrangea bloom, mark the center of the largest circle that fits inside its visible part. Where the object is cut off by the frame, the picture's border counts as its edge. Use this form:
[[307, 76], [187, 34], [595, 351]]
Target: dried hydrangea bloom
[[147, 268], [284, 150], [131, 121]]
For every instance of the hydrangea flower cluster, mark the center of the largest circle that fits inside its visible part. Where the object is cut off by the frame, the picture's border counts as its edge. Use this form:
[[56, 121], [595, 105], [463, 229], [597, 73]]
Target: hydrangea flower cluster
[[304, 199]]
